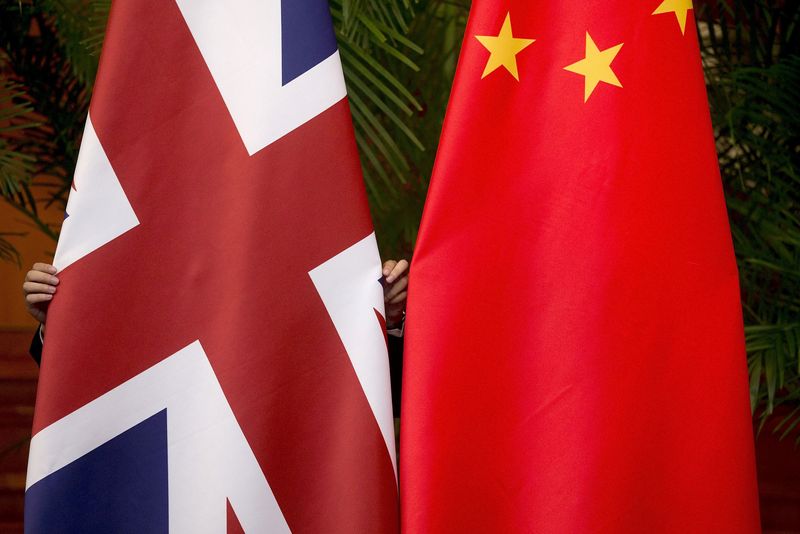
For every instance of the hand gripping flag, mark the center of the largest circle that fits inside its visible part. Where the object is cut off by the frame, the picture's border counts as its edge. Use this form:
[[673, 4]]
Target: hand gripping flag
[[214, 359], [574, 349]]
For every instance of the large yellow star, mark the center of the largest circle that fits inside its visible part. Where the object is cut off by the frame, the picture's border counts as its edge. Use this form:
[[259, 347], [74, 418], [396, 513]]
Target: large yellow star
[[596, 66], [503, 49], [679, 7]]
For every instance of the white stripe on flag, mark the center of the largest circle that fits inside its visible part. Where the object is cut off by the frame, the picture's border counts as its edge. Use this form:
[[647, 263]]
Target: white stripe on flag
[[99, 210], [240, 41], [349, 287], [209, 457]]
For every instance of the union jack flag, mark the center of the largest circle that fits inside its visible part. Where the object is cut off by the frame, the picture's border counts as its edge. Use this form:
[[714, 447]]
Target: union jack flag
[[215, 359]]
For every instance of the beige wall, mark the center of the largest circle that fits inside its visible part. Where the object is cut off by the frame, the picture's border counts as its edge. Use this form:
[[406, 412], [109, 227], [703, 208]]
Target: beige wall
[[33, 247]]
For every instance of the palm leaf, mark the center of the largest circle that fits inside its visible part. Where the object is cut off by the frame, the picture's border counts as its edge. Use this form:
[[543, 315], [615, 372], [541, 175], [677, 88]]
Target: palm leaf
[[750, 52]]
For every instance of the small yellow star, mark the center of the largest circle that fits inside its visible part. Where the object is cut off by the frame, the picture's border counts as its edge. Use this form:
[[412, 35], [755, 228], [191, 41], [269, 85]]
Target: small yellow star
[[596, 66], [503, 49], [679, 7]]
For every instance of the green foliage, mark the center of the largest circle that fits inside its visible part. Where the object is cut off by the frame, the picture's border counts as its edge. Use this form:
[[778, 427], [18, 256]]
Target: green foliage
[[15, 166], [439, 25], [753, 68], [44, 105], [398, 93], [16, 116], [79, 27], [374, 49]]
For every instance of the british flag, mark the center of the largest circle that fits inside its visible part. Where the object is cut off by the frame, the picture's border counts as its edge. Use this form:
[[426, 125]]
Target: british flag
[[215, 360]]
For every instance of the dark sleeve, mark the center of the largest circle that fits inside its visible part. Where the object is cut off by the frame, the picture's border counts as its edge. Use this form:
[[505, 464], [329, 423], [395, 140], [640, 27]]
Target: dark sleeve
[[36, 347], [396, 371]]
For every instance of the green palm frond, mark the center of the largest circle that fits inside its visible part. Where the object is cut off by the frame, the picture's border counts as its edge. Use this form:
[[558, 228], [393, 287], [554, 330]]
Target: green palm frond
[[16, 116], [374, 48], [398, 57], [79, 27], [7, 250], [438, 27], [49, 104], [750, 51]]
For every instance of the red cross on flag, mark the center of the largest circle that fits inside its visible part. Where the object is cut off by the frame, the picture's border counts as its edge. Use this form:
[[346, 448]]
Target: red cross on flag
[[574, 357], [215, 360]]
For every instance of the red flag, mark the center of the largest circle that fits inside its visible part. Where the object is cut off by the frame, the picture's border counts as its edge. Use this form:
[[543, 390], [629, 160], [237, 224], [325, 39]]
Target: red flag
[[575, 357]]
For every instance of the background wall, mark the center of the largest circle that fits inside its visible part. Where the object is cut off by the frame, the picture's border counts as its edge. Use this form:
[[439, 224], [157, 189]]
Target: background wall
[[32, 247]]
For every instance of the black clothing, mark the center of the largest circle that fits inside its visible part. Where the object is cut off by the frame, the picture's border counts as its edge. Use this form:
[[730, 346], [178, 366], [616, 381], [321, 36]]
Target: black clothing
[[36, 346]]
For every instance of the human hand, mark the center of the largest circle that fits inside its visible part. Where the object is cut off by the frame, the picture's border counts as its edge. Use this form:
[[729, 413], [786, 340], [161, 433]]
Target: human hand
[[395, 274], [39, 288]]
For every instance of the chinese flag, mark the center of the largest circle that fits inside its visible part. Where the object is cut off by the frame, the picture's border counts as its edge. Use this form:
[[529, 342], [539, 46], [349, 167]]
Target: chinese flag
[[575, 359]]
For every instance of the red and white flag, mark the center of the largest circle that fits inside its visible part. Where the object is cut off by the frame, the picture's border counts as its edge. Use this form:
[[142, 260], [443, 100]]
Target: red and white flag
[[574, 350], [214, 358]]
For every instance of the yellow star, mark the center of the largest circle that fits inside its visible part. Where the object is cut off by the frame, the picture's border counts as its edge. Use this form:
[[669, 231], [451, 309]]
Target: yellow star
[[679, 7], [503, 49], [596, 66]]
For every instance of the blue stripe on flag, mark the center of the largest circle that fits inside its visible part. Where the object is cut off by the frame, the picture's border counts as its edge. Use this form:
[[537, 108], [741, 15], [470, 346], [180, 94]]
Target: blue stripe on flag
[[306, 34], [119, 487]]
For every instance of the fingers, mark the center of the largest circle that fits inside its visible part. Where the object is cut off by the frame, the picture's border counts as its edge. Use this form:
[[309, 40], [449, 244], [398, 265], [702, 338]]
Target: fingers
[[44, 267], [41, 277], [38, 298], [34, 287], [396, 276], [38, 288], [400, 297], [396, 288], [392, 270], [388, 266]]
